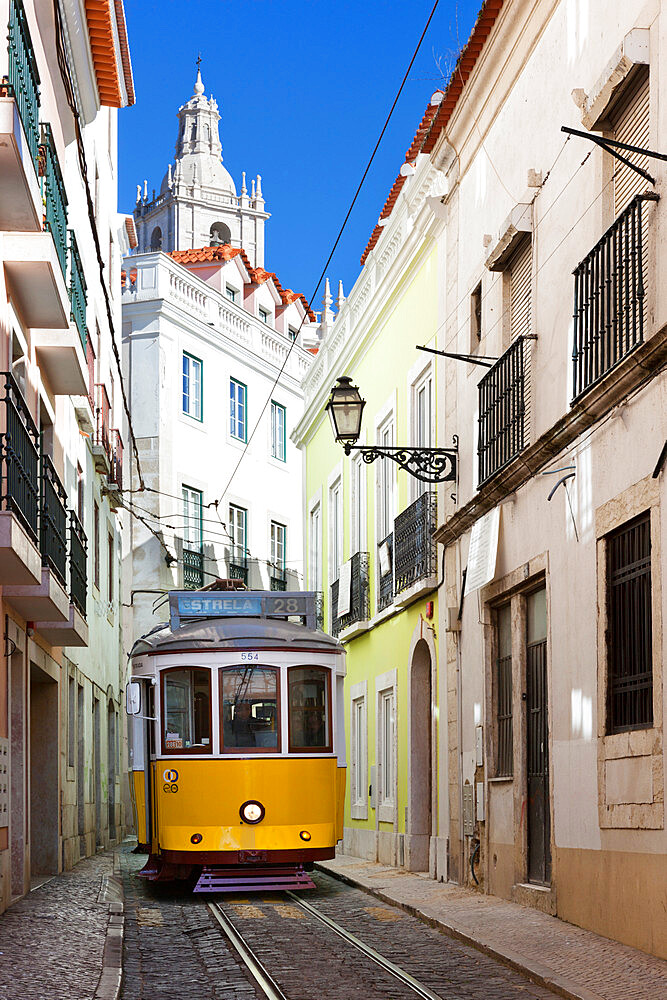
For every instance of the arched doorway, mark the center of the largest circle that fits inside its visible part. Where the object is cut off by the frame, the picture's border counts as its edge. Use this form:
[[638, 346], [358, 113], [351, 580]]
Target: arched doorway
[[420, 782]]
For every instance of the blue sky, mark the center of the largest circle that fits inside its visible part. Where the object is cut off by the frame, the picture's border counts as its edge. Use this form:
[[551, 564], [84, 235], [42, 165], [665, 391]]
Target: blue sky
[[303, 89]]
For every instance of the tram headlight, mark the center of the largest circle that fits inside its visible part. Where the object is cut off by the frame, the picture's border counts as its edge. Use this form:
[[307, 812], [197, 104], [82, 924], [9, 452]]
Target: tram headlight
[[304, 835], [252, 811]]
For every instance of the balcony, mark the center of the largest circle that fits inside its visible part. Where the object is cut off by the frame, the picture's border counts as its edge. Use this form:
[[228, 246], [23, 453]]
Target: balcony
[[385, 594], [114, 488], [503, 396], [359, 603], [84, 403], [193, 569], [609, 297], [102, 438], [238, 565], [35, 280], [55, 199], [77, 289], [20, 197], [415, 550], [53, 521], [73, 631], [277, 577], [20, 561]]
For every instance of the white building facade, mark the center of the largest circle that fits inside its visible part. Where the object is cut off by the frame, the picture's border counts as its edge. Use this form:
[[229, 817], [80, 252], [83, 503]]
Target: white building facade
[[214, 357], [61, 433]]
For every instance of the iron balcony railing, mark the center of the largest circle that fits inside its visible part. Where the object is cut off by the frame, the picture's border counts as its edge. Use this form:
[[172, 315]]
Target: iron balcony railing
[[238, 565], [19, 457], [609, 294], [502, 410], [359, 596], [386, 579], [277, 577], [415, 550], [53, 521], [116, 450], [23, 76], [55, 199], [78, 574], [102, 419], [77, 289], [90, 362], [193, 569]]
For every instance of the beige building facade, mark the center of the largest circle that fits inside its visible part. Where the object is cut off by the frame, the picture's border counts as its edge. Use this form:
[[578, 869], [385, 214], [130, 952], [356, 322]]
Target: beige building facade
[[552, 322]]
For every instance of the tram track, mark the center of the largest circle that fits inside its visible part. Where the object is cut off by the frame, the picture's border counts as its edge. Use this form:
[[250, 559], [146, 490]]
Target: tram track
[[268, 984]]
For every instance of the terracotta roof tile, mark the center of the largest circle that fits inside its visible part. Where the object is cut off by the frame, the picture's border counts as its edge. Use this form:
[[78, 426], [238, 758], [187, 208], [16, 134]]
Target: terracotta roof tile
[[436, 117], [258, 275]]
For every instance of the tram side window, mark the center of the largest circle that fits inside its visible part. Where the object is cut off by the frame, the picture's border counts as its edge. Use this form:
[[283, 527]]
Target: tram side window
[[186, 710], [249, 710], [309, 703]]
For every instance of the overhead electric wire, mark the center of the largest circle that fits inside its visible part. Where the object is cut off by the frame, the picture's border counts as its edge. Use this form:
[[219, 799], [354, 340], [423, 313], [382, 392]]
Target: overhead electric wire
[[83, 167], [215, 503]]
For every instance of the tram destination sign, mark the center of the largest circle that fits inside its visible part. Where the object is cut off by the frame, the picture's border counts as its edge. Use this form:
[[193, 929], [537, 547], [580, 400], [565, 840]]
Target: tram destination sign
[[189, 604]]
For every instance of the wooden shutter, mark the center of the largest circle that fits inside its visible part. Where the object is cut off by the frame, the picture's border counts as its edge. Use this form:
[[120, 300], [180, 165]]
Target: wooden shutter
[[632, 126], [520, 269]]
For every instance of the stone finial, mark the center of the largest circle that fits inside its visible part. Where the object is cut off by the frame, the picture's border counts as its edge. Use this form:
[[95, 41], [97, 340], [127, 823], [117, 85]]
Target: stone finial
[[244, 189], [145, 190], [169, 177], [199, 86], [340, 298], [259, 186], [327, 298], [138, 193], [252, 189]]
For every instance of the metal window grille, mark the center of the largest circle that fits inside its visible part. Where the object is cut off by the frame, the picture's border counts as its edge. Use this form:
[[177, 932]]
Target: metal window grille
[[55, 198], [23, 76], [630, 668], [414, 545], [278, 577], [77, 289], [386, 580], [609, 294], [359, 596], [77, 563], [502, 410], [53, 520], [193, 569], [19, 457], [539, 860], [504, 747]]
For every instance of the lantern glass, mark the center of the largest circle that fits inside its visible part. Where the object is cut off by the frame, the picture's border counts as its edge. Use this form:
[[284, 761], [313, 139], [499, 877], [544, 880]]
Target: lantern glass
[[345, 408]]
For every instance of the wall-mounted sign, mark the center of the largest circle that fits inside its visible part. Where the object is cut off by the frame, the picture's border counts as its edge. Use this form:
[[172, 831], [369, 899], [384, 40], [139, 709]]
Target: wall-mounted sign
[[483, 550], [196, 604]]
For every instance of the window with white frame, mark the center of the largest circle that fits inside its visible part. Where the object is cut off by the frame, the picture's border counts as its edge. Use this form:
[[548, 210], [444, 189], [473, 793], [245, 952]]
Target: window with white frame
[[192, 518], [238, 531], [358, 752], [386, 746], [278, 542], [192, 372], [278, 444], [264, 315], [315, 547], [422, 422], [358, 505], [335, 529], [231, 293], [238, 394], [385, 519], [292, 333]]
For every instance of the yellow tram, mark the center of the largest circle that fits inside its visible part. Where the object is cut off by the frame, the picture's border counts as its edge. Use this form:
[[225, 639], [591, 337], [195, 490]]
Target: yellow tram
[[237, 743]]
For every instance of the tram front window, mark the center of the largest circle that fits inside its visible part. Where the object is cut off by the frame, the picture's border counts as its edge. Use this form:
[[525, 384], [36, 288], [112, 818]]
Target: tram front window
[[249, 718], [309, 725], [186, 710]]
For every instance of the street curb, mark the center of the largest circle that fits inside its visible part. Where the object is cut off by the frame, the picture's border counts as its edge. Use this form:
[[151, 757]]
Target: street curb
[[541, 975], [111, 977]]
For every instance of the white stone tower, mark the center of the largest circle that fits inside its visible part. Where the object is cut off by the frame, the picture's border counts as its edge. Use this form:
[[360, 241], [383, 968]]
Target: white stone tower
[[198, 205]]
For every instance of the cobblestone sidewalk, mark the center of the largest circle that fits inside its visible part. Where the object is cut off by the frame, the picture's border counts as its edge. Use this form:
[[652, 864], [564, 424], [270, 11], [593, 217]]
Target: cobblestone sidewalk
[[52, 942], [576, 963]]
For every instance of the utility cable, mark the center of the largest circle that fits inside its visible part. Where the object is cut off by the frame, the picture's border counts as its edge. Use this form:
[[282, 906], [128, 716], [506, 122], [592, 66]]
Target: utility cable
[[215, 503]]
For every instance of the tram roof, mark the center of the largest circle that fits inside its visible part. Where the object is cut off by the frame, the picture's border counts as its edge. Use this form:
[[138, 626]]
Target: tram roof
[[237, 633]]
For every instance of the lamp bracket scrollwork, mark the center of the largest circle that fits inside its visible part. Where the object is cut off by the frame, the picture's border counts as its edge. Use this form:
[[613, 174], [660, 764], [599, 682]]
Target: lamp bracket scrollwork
[[429, 465]]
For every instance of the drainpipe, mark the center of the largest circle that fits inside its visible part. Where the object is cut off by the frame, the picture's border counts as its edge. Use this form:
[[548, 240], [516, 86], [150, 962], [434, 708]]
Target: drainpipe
[[459, 727]]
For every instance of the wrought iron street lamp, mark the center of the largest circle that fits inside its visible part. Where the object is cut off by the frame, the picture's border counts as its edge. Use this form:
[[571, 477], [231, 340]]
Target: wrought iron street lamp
[[345, 407]]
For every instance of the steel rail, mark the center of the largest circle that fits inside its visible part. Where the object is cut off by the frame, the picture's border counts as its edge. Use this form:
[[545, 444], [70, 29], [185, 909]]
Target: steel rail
[[265, 982], [375, 956]]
